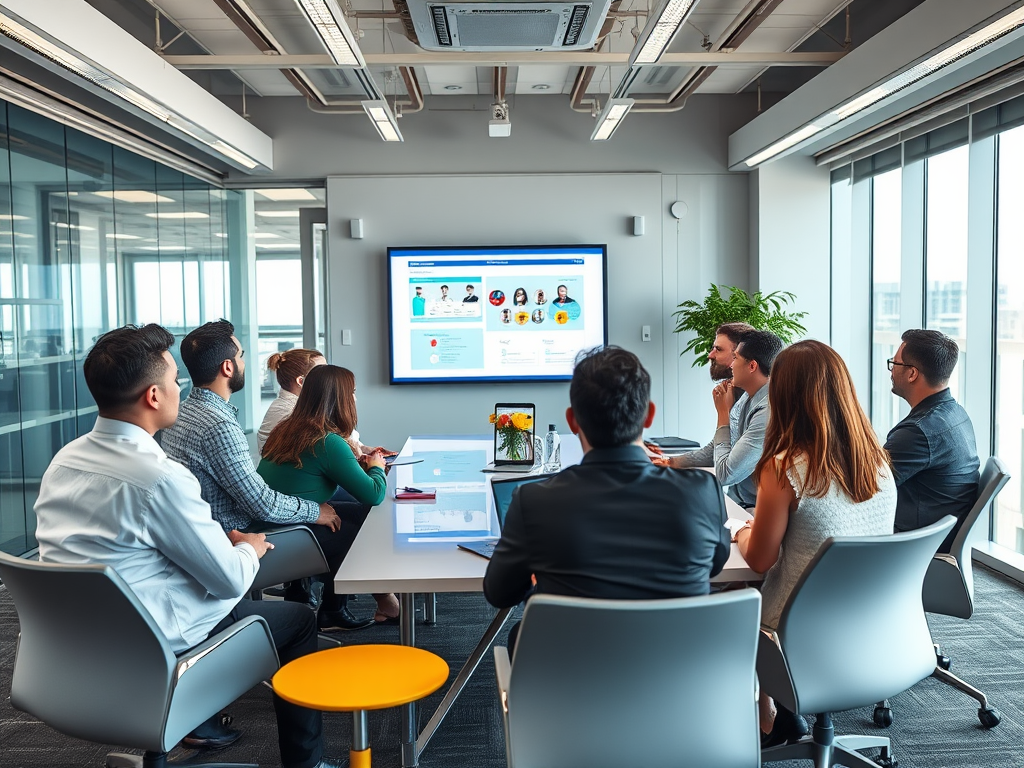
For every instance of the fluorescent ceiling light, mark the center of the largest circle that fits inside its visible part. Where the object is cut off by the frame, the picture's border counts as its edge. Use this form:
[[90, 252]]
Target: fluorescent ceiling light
[[219, 234], [13, 217], [133, 196], [119, 236], [661, 27], [279, 214], [383, 120], [81, 227], [279, 246], [55, 51], [165, 248], [9, 233], [329, 22], [284, 196], [266, 236], [178, 215], [610, 118], [886, 90]]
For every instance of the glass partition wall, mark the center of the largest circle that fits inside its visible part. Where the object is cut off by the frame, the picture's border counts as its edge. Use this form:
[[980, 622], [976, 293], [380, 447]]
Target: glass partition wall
[[946, 244], [91, 237]]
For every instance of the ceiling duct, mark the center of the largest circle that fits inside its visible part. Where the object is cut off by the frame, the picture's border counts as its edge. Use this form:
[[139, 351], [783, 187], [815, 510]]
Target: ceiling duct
[[519, 25]]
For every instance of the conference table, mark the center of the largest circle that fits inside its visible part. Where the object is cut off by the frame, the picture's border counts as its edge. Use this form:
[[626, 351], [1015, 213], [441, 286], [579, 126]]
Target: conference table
[[410, 547]]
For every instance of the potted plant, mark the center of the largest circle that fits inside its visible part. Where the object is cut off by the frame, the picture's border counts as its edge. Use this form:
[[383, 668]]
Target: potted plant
[[763, 311]]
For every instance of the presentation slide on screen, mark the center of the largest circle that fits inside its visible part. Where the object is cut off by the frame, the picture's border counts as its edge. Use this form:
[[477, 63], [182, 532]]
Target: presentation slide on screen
[[494, 313]]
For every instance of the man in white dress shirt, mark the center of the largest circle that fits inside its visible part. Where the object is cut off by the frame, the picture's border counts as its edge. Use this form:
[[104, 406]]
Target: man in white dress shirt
[[114, 497]]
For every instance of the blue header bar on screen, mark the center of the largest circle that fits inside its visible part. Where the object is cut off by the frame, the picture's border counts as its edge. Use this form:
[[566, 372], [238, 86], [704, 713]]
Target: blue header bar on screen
[[492, 262]]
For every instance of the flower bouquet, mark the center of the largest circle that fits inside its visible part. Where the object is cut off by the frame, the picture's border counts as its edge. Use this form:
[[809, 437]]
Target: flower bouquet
[[513, 437]]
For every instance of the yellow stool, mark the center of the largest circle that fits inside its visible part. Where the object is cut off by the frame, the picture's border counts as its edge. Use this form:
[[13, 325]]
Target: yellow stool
[[358, 678]]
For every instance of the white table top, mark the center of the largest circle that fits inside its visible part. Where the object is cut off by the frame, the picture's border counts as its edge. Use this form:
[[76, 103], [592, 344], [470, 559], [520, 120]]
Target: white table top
[[406, 546]]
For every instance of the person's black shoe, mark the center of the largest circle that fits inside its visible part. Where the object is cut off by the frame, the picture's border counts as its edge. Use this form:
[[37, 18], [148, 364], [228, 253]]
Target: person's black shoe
[[787, 728], [213, 734], [341, 619]]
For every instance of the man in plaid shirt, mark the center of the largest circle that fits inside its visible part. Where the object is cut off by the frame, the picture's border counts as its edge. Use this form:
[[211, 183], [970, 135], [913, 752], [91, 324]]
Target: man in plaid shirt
[[208, 440]]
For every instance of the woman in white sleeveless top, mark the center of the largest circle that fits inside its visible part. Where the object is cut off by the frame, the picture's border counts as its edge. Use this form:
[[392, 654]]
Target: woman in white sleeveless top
[[823, 473]]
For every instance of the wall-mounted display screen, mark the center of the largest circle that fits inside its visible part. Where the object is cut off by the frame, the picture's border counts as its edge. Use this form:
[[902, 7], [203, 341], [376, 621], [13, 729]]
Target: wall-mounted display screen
[[494, 313]]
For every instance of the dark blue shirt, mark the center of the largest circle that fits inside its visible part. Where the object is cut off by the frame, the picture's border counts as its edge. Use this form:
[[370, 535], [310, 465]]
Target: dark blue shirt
[[935, 463]]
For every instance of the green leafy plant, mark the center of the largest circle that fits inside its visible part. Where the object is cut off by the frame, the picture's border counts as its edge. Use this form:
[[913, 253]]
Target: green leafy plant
[[763, 311]]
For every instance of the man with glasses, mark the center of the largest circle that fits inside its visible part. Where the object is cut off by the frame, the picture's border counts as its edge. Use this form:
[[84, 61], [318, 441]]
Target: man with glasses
[[933, 450]]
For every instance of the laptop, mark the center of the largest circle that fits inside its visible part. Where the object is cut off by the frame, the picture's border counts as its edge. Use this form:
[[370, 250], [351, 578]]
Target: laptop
[[502, 491]]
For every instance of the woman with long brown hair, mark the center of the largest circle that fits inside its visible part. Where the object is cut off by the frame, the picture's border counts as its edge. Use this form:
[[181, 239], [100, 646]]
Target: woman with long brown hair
[[823, 473], [308, 455]]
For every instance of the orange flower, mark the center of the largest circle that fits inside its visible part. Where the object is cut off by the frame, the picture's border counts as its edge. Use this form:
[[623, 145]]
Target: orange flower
[[492, 418], [503, 420]]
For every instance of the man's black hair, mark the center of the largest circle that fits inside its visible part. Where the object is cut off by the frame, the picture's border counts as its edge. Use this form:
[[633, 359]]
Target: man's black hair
[[934, 354], [761, 347], [609, 394], [205, 348], [124, 363]]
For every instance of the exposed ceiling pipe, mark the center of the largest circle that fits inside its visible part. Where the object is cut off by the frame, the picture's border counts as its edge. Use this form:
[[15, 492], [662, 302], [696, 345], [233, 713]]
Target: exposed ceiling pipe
[[412, 103], [499, 80], [586, 74], [260, 36], [742, 27]]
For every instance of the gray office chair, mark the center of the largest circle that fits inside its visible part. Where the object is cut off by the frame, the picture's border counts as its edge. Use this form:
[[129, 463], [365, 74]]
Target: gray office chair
[[949, 589], [100, 669], [858, 593], [609, 683], [296, 555]]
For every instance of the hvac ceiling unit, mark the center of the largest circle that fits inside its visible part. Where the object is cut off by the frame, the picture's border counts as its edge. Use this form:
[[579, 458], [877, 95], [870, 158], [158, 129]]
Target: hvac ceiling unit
[[488, 25]]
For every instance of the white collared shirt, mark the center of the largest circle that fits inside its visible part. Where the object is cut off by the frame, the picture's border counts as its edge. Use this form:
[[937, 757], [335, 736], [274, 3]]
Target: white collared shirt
[[113, 497]]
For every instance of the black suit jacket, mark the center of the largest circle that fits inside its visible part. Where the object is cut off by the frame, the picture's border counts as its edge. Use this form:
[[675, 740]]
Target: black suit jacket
[[614, 526]]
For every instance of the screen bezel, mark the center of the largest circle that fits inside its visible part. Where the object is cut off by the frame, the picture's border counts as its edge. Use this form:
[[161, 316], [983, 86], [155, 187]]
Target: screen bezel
[[478, 249], [532, 408]]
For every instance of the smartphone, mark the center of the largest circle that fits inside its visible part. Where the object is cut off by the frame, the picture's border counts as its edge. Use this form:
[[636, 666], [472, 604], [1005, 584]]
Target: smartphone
[[514, 428]]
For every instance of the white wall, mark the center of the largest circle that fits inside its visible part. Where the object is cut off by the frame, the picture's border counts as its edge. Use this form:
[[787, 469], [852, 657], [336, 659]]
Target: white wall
[[647, 277], [450, 184], [790, 237]]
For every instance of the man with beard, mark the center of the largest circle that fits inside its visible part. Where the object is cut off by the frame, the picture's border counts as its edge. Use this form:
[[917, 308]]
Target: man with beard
[[736, 446], [208, 440], [933, 450]]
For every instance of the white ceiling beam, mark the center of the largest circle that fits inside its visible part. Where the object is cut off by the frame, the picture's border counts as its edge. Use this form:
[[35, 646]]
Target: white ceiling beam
[[457, 58]]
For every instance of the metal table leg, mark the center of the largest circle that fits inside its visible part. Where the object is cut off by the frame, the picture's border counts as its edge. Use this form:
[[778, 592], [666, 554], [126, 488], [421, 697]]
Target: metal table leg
[[461, 679], [407, 632]]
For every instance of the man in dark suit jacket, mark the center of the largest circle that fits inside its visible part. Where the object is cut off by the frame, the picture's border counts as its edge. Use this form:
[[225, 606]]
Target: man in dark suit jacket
[[615, 526]]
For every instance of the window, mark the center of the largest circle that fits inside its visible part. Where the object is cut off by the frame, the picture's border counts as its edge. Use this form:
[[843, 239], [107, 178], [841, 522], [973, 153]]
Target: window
[[946, 253], [1007, 523], [886, 261]]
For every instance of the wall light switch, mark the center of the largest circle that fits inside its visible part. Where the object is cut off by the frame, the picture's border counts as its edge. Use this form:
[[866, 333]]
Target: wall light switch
[[356, 229], [346, 338], [645, 333]]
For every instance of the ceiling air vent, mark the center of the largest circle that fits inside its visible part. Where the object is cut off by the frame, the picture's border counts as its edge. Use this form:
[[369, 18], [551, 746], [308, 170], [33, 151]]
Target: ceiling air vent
[[488, 25]]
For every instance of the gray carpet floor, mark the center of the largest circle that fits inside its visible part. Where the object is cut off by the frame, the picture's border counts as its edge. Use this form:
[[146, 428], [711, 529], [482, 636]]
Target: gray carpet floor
[[935, 726]]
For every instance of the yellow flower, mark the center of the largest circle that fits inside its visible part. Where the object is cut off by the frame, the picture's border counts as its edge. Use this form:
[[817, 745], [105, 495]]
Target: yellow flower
[[521, 421], [492, 418]]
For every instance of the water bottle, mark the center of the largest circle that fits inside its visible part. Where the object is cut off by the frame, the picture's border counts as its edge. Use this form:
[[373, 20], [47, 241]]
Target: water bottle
[[552, 450]]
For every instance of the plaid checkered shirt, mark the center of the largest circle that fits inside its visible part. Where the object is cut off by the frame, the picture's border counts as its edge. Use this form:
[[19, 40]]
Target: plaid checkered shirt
[[209, 442]]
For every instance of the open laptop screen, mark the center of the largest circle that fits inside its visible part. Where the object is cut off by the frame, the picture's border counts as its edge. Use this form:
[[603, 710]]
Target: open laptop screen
[[502, 491]]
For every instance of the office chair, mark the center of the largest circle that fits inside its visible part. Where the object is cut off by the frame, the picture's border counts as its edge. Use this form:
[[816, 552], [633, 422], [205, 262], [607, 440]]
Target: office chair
[[949, 589], [608, 683], [858, 593], [100, 669], [296, 555]]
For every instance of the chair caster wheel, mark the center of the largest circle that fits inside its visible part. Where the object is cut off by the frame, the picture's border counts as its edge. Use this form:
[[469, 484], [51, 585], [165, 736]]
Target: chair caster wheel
[[883, 717], [943, 661], [887, 761], [990, 717]]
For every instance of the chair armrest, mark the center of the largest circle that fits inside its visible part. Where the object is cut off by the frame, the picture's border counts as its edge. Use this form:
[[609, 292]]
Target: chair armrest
[[503, 672], [211, 675], [296, 555]]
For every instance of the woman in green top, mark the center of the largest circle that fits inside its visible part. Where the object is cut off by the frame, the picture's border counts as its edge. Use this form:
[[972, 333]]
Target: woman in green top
[[308, 455]]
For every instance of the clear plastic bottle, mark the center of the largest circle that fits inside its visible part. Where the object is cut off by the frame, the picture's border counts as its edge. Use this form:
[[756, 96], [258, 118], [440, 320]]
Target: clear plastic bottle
[[552, 450]]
